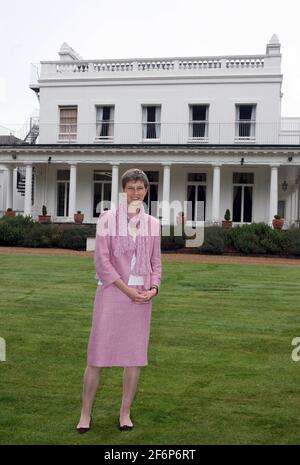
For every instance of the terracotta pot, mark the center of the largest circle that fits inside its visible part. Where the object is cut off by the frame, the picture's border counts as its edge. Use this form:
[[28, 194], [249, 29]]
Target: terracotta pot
[[226, 224], [278, 223], [10, 213], [78, 218], [44, 218]]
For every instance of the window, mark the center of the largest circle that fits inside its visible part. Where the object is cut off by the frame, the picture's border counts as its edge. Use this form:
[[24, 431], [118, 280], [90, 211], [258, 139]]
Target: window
[[102, 191], [281, 208], [245, 122], [151, 122], [198, 123], [105, 122], [242, 197], [63, 185], [196, 196], [67, 124], [151, 199]]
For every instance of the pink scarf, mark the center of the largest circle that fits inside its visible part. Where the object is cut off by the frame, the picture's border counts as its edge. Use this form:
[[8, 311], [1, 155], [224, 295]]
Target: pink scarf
[[125, 241]]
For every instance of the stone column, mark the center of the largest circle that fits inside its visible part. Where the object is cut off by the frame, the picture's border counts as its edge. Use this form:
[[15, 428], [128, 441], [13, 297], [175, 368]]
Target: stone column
[[215, 214], [273, 192], [72, 191], [166, 194], [28, 189], [293, 206], [9, 186], [115, 186], [297, 199]]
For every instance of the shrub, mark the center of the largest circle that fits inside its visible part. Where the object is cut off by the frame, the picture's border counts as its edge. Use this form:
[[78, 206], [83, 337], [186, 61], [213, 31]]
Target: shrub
[[259, 238], [10, 235], [24, 231], [43, 235], [247, 242], [214, 240], [37, 237], [74, 237], [256, 238], [172, 242], [293, 240], [227, 215], [19, 220], [13, 230], [55, 234]]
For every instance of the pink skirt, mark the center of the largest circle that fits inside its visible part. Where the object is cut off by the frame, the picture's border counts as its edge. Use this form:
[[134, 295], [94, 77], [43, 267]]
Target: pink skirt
[[120, 330]]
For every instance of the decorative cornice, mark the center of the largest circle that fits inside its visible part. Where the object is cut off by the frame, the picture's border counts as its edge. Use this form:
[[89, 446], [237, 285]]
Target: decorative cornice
[[141, 148], [149, 155], [216, 164]]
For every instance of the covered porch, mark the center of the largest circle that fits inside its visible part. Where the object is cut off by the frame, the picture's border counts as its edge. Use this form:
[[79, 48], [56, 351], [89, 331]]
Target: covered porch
[[254, 185]]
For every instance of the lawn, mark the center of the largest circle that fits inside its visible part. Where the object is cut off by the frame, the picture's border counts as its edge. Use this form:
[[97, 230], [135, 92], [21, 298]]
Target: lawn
[[220, 368]]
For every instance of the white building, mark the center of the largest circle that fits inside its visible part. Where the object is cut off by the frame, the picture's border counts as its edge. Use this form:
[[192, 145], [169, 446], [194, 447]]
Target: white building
[[206, 129]]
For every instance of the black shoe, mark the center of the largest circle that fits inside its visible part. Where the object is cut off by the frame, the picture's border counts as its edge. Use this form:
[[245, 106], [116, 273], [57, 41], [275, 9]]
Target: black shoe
[[84, 430], [125, 427]]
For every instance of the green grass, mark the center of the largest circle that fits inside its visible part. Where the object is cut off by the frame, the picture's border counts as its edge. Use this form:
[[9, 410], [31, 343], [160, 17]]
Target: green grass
[[220, 368]]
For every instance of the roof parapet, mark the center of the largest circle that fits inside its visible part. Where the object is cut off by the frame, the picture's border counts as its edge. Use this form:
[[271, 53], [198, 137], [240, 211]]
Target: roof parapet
[[67, 53]]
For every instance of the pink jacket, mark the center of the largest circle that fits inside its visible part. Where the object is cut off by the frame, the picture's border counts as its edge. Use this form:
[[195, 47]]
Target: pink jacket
[[109, 268]]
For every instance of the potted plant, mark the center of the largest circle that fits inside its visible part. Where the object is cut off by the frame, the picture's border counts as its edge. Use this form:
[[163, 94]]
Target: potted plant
[[277, 222], [227, 223], [78, 217], [10, 212], [44, 218]]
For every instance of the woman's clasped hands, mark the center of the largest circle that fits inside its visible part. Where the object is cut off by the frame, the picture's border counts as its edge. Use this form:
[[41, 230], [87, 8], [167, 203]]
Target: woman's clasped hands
[[140, 296]]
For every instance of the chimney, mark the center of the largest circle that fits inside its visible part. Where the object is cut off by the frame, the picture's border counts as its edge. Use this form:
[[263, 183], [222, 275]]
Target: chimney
[[273, 55]]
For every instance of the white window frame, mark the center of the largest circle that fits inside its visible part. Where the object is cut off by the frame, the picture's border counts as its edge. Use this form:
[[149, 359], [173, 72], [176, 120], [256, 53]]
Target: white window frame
[[195, 220], [109, 123], [66, 183], [102, 182], [200, 139], [243, 185], [67, 135], [252, 122], [145, 123], [154, 183]]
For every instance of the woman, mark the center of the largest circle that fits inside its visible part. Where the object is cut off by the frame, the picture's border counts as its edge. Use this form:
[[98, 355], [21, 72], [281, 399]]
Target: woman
[[128, 265]]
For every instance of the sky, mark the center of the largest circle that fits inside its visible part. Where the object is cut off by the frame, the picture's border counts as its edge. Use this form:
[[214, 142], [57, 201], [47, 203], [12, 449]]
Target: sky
[[32, 31]]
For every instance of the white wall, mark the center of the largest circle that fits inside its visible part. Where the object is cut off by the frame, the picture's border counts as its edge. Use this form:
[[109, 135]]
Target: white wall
[[174, 98]]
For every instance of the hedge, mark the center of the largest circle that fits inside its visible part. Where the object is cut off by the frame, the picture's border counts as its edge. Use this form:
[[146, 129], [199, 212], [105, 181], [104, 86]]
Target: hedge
[[256, 238], [25, 232]]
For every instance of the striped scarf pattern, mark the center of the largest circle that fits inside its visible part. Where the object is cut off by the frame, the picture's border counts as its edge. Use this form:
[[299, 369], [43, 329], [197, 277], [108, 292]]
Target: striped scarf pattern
[[125, 241]]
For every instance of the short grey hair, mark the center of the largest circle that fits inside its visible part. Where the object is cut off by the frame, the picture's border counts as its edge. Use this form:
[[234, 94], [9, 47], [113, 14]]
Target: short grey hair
[[135, 174]]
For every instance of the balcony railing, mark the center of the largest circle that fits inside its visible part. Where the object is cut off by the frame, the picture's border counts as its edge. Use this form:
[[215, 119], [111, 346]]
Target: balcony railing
[[183, 65], [105, 130], [245, 130], [195, 132], [151, 131], [198, 131]]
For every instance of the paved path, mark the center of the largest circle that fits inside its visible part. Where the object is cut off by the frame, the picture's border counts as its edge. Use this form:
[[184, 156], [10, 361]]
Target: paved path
[[169, 257]]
